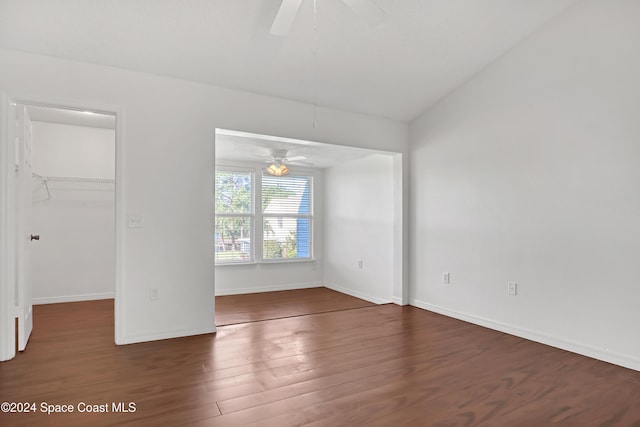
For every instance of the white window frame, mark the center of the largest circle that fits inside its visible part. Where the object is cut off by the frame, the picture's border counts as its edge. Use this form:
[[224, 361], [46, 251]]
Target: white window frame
[[251, 215], [310, 216], [257, 216]]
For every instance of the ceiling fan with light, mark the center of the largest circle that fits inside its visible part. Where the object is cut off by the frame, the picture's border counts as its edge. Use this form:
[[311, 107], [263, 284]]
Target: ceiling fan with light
[[366, 9], [279, 161]]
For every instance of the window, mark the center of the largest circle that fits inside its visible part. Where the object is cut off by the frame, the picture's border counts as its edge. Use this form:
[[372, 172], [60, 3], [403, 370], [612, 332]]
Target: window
[[234, 217], [286, 217], [281, 206]]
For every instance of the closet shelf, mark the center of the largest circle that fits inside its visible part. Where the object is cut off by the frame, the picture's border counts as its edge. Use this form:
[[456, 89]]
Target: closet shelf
[[73, 179], [70, 183]]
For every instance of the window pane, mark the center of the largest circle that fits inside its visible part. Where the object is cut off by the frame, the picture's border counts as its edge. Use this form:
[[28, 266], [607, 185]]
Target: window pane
[[286, 194], [233, 239], [233, 192], [286, 204], [286, 237]]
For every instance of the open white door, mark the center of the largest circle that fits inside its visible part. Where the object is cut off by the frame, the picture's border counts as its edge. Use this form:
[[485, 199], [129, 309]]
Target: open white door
[[25, 237]]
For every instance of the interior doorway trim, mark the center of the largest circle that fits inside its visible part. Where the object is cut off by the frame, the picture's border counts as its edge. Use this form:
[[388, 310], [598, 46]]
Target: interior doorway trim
[[119, 112], [7, 324]]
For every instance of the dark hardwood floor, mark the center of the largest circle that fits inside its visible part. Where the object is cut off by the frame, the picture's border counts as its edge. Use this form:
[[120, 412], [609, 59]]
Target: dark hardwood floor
[[232, 309], [380, 365]]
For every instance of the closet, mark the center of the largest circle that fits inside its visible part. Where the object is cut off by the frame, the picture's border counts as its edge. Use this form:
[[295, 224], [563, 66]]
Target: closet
[[73, 189]]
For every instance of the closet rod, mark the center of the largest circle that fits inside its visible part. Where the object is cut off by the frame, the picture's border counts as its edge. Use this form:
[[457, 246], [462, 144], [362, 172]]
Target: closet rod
[[74, 179]]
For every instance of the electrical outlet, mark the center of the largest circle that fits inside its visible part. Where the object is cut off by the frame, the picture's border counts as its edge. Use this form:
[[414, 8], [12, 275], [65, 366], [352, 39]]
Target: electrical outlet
[[446, 278], [154, 295], [512, 288], [360, 264]]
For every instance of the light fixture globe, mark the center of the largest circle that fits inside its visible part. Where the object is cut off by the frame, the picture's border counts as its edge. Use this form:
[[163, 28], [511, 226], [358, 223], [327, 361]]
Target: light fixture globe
[[277, 169]]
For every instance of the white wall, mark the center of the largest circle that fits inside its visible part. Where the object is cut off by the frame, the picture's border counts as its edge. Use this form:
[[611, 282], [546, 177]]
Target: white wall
[[359, 225], [234, 279], [74, 151], [531, 173], [165, 172], [75, 258]]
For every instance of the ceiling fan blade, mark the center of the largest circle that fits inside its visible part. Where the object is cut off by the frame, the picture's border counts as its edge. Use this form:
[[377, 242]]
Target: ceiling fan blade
[[302, 163], [367, 10], [295, 158], [286, 14]]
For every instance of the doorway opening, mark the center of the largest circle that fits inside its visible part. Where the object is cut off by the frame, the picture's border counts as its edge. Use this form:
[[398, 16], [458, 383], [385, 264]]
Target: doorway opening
[[71, 256], [73, 189], [341, 230]]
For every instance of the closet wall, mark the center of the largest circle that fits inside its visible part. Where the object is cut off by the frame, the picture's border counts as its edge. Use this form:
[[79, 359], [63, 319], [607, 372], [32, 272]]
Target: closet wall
[[75, 257]]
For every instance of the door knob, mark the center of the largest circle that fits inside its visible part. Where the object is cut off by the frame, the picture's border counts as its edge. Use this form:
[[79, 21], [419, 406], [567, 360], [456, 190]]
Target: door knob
[[35, 237]]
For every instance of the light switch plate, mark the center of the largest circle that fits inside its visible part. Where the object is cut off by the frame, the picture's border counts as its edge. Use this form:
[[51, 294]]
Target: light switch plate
[[135, 221]]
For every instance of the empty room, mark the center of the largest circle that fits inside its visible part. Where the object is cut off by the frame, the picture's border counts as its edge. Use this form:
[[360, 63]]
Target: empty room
[[304, 212]]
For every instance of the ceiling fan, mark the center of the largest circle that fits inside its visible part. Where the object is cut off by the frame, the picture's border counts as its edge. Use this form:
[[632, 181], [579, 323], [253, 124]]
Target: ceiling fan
[[366, 9], [279, 161]]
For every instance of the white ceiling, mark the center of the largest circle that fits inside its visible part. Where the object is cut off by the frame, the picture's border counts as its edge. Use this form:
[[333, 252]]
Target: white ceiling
[[247, 147], [71, 117], [419, 52]]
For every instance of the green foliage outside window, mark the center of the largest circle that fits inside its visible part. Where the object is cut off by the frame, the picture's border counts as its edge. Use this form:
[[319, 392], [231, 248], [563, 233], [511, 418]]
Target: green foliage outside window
[[233, 216]]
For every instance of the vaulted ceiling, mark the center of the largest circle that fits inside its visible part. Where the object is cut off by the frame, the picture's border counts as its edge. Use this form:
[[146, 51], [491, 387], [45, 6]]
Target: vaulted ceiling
[[397, 67]]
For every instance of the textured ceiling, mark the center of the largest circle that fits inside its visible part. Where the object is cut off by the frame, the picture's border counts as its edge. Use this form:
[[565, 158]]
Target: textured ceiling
[[420, 50]]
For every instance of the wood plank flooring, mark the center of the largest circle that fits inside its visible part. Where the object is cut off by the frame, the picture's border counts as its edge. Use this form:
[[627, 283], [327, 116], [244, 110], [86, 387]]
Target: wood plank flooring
[[232, 309], [381, 365]]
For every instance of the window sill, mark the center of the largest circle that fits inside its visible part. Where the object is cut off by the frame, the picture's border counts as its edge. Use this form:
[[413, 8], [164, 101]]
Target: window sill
[[233, 264], [285, 261], [267, 262]]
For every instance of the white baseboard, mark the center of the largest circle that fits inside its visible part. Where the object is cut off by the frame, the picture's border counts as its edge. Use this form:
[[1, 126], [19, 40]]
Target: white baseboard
[[605, 355], [397, 300], [355, 294], [73, 298], [288, 287], [179, 333]]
